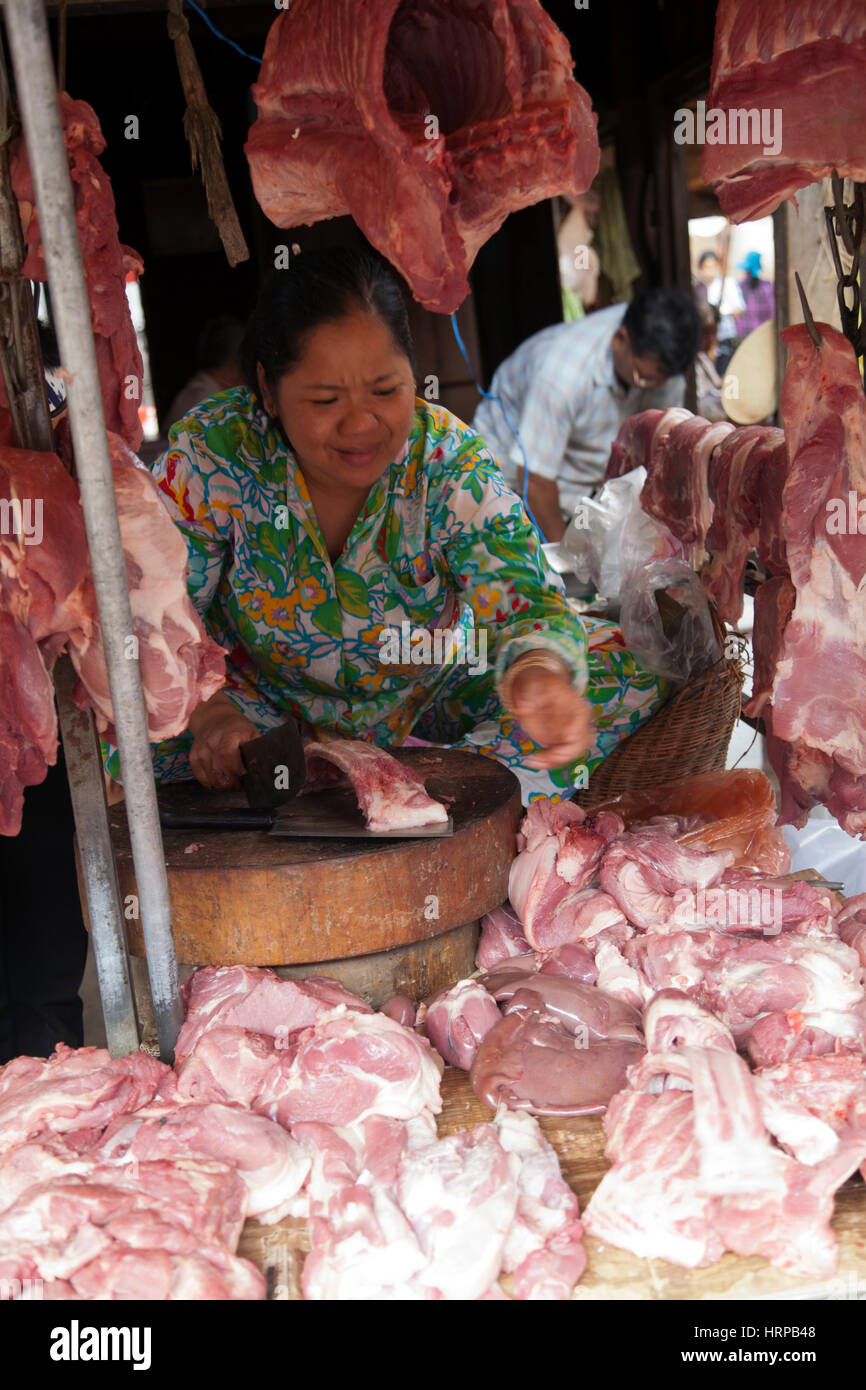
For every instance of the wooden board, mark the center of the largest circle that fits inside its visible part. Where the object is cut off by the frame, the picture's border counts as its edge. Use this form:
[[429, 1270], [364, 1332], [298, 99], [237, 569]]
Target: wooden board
[[610, 1274], [249, 898]]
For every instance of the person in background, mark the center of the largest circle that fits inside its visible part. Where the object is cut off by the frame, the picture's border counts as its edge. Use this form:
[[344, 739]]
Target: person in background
[[759, 296], [568, 389], [729, 302], [219, 367], [707, 379]]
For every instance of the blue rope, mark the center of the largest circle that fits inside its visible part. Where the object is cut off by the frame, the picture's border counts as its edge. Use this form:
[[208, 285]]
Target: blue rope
[[489, 396], [215, 30]]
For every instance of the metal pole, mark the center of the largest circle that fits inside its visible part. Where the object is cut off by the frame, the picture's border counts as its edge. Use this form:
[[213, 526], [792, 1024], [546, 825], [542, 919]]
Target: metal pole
[[34, 74]]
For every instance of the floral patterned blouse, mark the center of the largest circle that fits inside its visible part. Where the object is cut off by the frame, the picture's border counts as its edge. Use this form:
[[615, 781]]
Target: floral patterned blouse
[[440, 543]]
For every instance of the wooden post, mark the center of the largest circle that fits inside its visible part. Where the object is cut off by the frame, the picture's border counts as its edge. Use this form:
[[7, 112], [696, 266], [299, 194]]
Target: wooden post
[[203, 131]]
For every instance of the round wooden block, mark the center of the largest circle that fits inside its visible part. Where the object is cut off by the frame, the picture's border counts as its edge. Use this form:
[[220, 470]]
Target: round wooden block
[[247, 897]]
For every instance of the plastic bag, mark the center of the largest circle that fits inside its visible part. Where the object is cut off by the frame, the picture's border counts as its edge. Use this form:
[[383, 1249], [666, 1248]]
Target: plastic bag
[[737, 811], [824, 846], [677, 641], [610, 537]]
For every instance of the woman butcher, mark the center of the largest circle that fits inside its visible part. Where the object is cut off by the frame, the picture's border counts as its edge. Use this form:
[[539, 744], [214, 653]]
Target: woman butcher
[[335, 521]]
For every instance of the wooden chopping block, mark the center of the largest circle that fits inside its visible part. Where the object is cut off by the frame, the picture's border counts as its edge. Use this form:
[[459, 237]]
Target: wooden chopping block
[[246, 897]]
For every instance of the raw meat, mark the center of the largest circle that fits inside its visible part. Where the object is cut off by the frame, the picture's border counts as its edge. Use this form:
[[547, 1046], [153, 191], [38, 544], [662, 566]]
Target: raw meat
[[581, 1009], [544, 1248], [400, 1008], [351, 1065], [579, 917], [529, 1062], [272, 1166], [429, 123], [672, 1020], [180, 665], [501, 937], [807, 1104], [107, 264], [559, 849], [639, 437], [390, 794], [28, 722], [257, 1000], [456, 1019], [744, 517], [803, 64], [72, 1090], [676, 492], [205, 1273], [820, 665], [647, 871]]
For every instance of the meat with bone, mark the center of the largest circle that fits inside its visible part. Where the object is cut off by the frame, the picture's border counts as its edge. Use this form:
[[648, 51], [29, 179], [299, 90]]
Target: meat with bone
[[672, 1021], [581, 916], [344, 126], [390, 794], [529, 1062], [791, 1034], [180, 665], [743, 512], [819, 669], [456, 1019], [501, 937], [639, 437], [787, 81], [107, 263], [675, 492], [72, 1090]]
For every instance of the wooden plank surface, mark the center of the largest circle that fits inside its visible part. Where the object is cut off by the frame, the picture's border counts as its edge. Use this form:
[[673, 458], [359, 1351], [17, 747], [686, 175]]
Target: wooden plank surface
[[611, 1273], [250, 898]]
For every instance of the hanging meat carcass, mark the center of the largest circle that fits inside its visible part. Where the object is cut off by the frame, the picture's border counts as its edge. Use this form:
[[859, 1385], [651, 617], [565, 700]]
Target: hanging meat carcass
[[814, 651], [789, 84], [107, 264], [429, 122]]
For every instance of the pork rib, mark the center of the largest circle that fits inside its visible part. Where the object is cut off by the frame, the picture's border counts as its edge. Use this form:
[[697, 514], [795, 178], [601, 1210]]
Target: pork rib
[[429, 122]]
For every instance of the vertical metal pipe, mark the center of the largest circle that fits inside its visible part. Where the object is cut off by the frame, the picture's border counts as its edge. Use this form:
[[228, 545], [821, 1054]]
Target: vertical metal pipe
[[34, 74]]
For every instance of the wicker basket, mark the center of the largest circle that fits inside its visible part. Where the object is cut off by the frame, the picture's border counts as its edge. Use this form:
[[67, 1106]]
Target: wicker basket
[[688, 735]]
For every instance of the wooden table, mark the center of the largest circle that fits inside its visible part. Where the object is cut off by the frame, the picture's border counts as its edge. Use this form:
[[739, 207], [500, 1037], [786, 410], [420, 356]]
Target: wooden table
[[279, 1250]]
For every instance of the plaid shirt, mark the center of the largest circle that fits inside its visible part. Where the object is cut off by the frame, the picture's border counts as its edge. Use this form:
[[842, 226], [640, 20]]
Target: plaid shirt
[[560, 390]]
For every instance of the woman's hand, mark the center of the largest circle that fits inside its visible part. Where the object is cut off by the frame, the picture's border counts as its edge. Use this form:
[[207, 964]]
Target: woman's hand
[[553, 714], [218, 730]]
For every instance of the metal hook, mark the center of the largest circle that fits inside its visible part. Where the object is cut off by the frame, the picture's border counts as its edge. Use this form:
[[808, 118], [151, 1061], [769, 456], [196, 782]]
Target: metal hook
[[807, 312]]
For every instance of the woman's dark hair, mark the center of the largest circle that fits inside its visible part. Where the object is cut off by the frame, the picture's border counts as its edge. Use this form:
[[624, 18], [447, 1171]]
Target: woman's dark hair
[[219, 341], [320, 286], [664, 324]]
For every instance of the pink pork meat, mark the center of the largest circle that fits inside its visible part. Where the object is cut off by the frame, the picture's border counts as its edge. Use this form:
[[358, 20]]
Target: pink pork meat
[[457, 1019], [390, 794], [501, 937]]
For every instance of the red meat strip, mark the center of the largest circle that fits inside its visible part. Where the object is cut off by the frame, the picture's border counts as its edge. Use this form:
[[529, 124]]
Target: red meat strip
[[675, 492], [106, 263], [743, 516], [807, 63], [180, 665], [391, 795], [345, 100], [639, 437], [28, 722]]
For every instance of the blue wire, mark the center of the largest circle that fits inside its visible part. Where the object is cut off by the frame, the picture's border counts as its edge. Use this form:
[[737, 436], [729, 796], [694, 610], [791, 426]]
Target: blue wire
[[215, 30], [489, 396]]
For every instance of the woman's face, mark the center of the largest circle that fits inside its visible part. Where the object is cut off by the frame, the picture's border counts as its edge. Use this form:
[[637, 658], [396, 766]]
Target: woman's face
[[346, 407]]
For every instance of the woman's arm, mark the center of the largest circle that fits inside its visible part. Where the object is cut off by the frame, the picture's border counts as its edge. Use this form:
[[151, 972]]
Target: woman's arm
[[494, 555]]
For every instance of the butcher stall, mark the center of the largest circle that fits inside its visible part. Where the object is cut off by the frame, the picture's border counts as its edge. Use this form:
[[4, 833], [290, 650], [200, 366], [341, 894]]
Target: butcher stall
[[384, 1027]]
